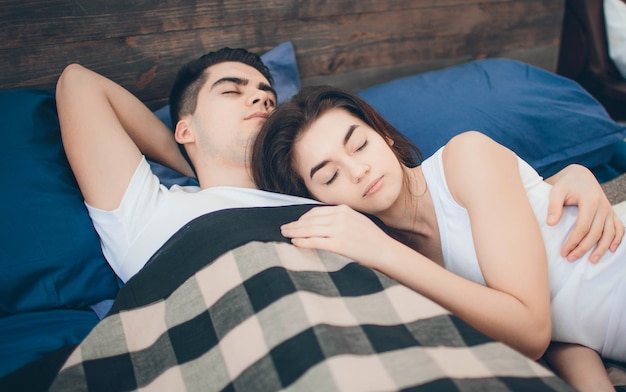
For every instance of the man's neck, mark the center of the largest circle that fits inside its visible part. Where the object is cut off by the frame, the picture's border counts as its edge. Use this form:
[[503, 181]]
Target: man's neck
[[225, 176]]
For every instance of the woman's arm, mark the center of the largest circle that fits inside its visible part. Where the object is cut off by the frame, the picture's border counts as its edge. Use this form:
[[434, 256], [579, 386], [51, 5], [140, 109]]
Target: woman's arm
[[483, 177], [515, 307], [344, 231], [597, 224]]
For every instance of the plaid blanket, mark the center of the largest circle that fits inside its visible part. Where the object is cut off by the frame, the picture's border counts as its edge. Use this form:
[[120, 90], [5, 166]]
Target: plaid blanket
[[227, 304]]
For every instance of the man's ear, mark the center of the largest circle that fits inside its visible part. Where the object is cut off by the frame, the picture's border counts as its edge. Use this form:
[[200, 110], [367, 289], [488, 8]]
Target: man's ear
[[183, 133]]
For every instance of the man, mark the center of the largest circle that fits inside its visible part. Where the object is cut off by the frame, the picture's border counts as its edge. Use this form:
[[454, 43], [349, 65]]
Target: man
[[218, 103]]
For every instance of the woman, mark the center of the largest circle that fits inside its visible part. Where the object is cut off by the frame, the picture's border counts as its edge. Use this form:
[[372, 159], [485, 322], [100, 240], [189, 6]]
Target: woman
[[474, 208]]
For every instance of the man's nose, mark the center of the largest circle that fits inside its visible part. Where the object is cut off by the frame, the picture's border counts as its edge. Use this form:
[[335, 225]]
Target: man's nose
[[261, 96]]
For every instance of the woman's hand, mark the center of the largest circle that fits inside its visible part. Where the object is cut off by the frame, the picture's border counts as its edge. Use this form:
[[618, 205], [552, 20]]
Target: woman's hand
[[597, 223], [342, 230]]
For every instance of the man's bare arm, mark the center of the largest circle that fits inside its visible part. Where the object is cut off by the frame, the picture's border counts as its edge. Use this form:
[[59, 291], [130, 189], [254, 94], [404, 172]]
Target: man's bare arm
[[105, 130]]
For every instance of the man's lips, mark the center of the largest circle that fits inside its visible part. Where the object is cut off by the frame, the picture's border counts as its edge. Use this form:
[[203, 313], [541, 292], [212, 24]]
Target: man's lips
[[373, 187], [262, 115]]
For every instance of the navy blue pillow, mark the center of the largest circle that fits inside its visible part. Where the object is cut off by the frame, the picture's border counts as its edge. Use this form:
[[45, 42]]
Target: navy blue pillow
[[26, 337], [281, 61], [50, 254], [548, 120]]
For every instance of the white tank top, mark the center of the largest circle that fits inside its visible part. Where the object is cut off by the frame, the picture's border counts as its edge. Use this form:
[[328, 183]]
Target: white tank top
[[588, 300]]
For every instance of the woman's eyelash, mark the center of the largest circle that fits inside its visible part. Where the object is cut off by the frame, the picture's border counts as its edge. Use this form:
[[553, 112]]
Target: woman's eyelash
[[330, 181], [362, 146]]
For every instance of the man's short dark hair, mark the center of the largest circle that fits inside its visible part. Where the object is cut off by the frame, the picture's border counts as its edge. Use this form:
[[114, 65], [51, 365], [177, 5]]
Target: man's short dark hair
[[192, 76]]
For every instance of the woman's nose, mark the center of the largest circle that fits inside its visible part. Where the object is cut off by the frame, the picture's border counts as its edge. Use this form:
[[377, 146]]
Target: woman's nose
[[358, 171]]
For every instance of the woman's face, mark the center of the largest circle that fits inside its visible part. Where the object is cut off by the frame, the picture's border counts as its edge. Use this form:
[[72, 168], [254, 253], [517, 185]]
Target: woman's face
[[344, 161]]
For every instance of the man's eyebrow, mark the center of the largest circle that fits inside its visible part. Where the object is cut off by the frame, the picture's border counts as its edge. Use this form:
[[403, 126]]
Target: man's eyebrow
[[230, 79], [346, 138], [243, 82], [266, 87]]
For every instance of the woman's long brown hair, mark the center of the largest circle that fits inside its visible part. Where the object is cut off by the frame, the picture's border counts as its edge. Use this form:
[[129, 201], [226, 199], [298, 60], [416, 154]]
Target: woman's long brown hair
[[272, 161]]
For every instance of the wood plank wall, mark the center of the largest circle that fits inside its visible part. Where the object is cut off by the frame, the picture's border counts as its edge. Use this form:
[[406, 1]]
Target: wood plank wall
[[350, 43]]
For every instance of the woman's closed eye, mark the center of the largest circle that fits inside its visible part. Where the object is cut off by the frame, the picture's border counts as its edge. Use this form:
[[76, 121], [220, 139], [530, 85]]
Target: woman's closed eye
[[335, 174], [362, 146], [332, 178]]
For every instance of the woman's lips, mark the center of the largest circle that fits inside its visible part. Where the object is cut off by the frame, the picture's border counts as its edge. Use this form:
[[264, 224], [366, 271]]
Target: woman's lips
[[373, 187]]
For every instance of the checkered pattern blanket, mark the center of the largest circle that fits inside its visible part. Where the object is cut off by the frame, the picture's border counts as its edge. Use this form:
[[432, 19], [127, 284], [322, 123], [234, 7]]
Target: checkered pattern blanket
[[258, 314]]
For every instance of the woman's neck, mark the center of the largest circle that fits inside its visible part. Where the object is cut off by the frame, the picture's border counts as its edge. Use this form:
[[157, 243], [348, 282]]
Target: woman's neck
[[412, 218], [406, 213]]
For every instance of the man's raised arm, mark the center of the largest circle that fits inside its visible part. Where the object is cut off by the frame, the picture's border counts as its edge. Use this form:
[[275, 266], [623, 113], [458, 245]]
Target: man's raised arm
[[105, 130]]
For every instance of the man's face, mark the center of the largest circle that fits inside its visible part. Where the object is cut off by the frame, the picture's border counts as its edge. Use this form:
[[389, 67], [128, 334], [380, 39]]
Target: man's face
[[232, 105]]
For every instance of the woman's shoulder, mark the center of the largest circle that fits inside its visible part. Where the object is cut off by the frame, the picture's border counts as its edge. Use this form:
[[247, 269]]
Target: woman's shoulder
[[470, 140], [472, 160], [471, 150]]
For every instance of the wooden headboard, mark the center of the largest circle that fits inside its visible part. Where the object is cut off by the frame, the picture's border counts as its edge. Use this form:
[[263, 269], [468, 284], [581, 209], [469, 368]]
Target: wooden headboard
[[349, 43]]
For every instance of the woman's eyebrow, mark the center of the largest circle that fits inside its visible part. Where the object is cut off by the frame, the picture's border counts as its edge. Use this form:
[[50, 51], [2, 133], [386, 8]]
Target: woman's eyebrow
[[317, 167], [346, 138], [349, 133]]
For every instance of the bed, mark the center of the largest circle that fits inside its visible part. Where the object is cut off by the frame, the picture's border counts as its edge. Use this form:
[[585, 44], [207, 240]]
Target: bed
[[248, 311]]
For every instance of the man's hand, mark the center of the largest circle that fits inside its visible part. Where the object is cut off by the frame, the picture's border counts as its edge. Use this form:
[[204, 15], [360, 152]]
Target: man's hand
[[597, 223]]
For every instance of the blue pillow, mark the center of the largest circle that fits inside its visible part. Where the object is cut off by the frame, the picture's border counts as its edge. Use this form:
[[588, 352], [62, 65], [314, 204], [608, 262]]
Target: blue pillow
[[50, 254], [548, 120], [281, 62], [26, 337]]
